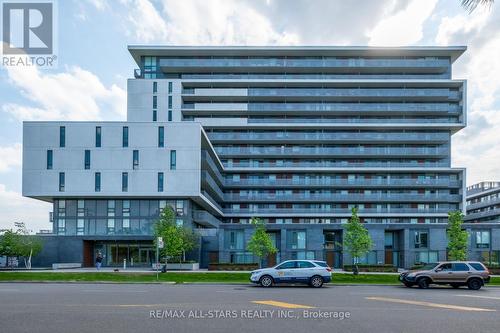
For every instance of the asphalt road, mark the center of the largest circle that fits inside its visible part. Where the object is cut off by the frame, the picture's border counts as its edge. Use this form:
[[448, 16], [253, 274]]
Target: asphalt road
[[54, 307]]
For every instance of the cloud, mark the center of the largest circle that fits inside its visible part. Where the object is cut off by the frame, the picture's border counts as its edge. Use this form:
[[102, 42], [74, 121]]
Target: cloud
[[16, 208], [10, 157], [75, 94], [211, 22], [476, 147], [405, 27]]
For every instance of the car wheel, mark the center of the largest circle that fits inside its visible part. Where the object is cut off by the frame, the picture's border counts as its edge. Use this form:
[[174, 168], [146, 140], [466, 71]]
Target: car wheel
[[455, 285], [266, 281], [423, 283], [316, 281], [409, 285], [474, 284]]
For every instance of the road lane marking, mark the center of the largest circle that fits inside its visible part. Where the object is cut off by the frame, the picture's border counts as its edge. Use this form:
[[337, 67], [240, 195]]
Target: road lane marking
[[284, 305], [477, 296], [432, 305]]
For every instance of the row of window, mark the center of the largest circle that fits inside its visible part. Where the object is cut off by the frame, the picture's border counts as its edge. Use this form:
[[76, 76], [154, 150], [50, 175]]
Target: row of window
[[97, 181], [98, 136], [135, 159], [155, 101]]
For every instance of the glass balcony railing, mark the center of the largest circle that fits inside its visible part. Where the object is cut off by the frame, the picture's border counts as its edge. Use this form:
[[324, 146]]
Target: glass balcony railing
[[335, 164], [352, 107], [333, 136], [325, 151], [340, 182], [327, 211], [337, 197], [356, 120], [311, 76], [358, 93], [263, 63]]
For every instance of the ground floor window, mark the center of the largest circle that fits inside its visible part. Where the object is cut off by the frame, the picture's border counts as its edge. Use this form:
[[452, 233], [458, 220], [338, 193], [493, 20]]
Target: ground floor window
[[241, 258], [368, 259], [425, 257], [135, 254]]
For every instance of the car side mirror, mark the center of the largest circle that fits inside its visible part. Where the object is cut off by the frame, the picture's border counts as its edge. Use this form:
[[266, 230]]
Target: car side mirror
[[438, 269]]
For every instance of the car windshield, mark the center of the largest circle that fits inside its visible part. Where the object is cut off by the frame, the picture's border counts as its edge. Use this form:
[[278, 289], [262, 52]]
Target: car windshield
[[429, 266]]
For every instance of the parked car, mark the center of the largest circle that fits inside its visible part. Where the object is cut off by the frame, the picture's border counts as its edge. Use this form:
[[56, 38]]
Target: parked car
[[472, 274], [312, 272]]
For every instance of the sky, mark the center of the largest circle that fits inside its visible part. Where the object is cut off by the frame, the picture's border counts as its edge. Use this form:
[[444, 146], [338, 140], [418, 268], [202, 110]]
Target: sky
[[94, 64]]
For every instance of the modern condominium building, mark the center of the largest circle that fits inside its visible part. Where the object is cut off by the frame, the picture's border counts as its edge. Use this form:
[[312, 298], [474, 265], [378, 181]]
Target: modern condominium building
[[296, 136], [483, 213]]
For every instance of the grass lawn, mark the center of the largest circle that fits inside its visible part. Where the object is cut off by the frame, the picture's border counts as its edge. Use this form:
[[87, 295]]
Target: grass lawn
[[222, 277]]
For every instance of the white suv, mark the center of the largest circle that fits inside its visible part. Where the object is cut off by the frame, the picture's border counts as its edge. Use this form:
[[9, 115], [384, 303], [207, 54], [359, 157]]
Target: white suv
[[312, 272]]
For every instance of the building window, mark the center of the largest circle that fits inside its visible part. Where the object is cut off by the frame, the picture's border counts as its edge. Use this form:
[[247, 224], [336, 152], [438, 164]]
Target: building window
[[161, 134], [49, 159], [179, 207], [124, 181], [135, 160], [235, 240], [482, 239], [155, 87], [179, 222], [98, 136], [421, 239], [126, 215], [160, 181], [87, 159], [61, 214], [97, 182], [62, 136], [297, 240], [170, 87], [111, 217], [125, 136], [169, 115], [173, 160], [425, 257], [61, 226], [155, 115], [169, 102], [80, 222], [155, 102], [61, 181]]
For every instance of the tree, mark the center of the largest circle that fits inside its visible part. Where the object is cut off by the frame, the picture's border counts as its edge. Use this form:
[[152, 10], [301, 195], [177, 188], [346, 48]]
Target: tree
[[260, 244], [177, 239], [166, 228], [471, 5], [189, 241], [457, 237], [8, 244], [20, 243], [357, 240]]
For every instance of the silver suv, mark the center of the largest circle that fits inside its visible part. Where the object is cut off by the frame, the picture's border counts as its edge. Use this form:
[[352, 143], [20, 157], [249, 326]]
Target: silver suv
[[312, 272], [472, 274]]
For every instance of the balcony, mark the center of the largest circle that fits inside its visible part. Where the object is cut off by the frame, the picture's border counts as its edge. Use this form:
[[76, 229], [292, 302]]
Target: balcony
[[334, 164], [329, 182], [328, 136], [479, 215], [327, 64], [484, 203], [337, 197], [331, 151], [329, 211], [205, 218]]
